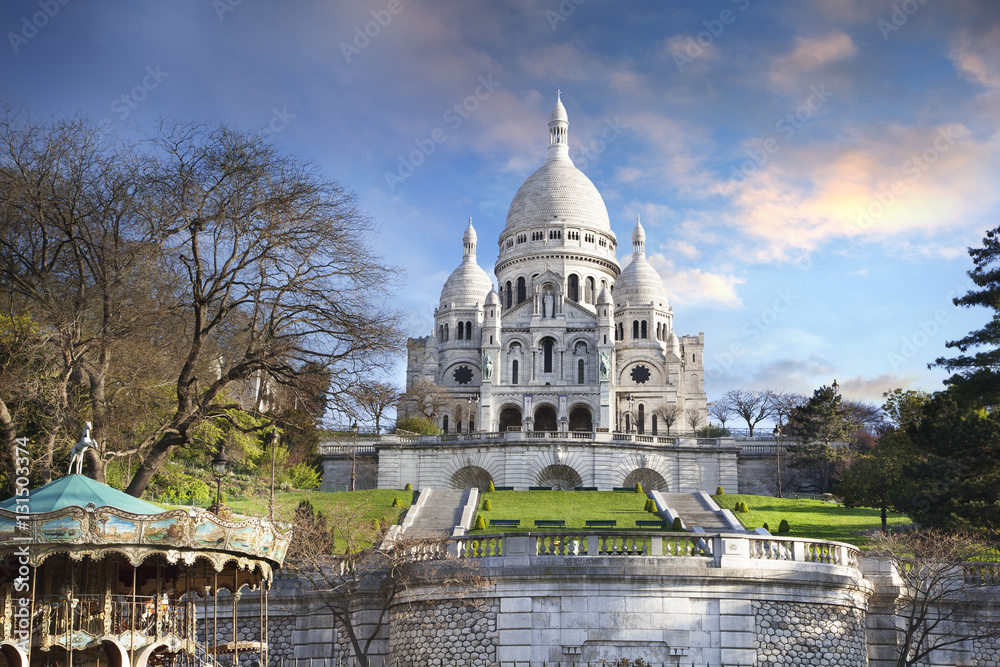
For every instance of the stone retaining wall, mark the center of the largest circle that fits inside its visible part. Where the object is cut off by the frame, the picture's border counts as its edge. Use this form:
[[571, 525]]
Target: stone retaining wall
[[452, 633], [791, 634]]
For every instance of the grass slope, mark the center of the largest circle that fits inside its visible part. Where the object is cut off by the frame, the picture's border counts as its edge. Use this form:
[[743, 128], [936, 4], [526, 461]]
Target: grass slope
[[574, 507], [809, 518]]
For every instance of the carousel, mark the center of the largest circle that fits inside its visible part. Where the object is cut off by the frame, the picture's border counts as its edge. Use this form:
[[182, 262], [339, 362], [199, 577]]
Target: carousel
[[90, 576]]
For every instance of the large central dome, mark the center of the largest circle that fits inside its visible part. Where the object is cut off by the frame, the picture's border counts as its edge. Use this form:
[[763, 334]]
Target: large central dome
[[558, 191]]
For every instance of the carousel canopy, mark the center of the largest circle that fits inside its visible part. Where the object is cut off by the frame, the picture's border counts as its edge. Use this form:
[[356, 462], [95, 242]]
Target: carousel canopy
[[79, 491]]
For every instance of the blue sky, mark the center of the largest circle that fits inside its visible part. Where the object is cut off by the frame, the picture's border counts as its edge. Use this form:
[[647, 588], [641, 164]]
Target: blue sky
[[809, 172]]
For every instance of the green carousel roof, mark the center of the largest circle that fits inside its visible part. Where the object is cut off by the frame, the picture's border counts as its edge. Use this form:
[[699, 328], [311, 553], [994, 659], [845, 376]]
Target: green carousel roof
[[79, 491]]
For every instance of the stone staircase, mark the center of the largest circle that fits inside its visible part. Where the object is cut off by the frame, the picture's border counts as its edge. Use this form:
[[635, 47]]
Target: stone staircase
[[440, 512], [694, 511]]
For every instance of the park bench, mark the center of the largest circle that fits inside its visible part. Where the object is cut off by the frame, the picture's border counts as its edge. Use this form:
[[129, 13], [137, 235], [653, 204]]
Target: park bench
[[651, 524], [601, 523], [539, 488], [625, 489], [505, 523], [503, 488], [550, 523], [585, 488]]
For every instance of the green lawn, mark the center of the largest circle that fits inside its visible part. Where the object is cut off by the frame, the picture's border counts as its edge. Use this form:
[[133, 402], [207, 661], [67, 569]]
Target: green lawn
[[369, 504], [574, 507], [809, 518]]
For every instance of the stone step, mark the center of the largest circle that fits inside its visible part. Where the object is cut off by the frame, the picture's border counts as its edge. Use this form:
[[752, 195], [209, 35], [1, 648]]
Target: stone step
[[694, 512], [441, 512]]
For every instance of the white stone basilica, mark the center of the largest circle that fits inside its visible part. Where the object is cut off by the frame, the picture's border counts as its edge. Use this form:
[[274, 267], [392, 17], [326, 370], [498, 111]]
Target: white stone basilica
[[568, 341]]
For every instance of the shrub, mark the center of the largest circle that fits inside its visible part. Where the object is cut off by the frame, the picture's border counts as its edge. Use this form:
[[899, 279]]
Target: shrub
[[783, 527], [490, 487], [487, 505], [408, 487], [650, 505], [742, 507], [677, 526], [719, 491], [397, 502], [376, 525], [766, 527], [480, 523], [304, 476], [638, 487], [712, 431], [417, 424]]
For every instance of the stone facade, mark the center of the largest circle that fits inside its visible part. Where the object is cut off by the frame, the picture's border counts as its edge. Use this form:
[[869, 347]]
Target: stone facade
[[568, 340], [790, 634]]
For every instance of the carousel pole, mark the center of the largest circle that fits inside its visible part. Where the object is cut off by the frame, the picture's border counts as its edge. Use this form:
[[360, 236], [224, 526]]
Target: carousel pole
[[215, 623], [131, 644]]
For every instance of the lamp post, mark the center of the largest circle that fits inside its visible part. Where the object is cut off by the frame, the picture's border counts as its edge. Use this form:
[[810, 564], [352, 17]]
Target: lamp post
[[274, 452], [473, 401], [354, 453], [631, 415], [220, 466]]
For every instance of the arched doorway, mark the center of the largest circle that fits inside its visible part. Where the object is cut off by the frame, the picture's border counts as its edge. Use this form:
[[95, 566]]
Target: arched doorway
[[650, 480], [471, 477], [560, 477], [510, 417], [545, 418], [580, 419]]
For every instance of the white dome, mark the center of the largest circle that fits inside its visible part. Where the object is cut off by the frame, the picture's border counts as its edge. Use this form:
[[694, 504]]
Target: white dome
[[639, 284], [468, 285], [558, 190]]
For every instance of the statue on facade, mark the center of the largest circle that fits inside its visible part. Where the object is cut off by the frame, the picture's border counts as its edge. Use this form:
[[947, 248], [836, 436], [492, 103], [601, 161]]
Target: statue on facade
[[487, 366], [605, 365], [548, 305]]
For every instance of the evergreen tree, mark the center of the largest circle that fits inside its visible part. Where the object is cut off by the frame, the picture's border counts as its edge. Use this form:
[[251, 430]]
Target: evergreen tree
[[825, 429], [977, 375]]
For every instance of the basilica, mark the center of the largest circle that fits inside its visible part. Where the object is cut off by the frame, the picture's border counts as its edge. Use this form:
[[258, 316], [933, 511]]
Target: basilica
[[566, 339]]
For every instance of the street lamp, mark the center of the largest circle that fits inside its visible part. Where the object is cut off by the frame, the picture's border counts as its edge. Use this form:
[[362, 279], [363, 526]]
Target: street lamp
[[628, 420], [354, 453], [274, 453], [220, 466], [473, 401]]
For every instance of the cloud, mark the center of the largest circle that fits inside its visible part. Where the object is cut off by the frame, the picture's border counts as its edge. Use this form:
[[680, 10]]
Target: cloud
[[694, 286], [810, 57], [861, 388], [977, 57]]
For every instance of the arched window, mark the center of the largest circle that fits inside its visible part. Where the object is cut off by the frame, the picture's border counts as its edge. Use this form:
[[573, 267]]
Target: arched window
[[574, 287], [635, 329], [589, 295], [640, 420], [547, 351], [643, 330], [513, 372], [579, 372], [657, 331], [654, 424], [468, 331], [461, 329], [521, 290], [621, 331], [509, 293], [446, 333], [628, 423], [458, 426], [441, 333], [444, 423]]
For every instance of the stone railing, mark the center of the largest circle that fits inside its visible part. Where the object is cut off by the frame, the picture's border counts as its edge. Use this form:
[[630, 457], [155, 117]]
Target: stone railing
[[335, 447], [717, 549]]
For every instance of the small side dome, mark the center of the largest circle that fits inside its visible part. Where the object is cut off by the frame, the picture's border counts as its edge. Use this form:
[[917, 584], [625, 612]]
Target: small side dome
[[640, 284], [468, 285], [604, 298], [492, 299]]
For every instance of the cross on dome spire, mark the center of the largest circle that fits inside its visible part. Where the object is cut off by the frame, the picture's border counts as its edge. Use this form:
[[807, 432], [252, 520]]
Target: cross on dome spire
[[469, 240]]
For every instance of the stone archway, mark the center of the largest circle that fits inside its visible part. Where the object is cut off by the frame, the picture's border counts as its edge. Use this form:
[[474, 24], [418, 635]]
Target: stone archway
[[649, 478], [545, 419], [580, 419], [471, 477], [559, 477], [509, 417]]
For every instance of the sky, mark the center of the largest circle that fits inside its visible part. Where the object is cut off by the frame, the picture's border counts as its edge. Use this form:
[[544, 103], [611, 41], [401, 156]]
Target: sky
[[810, 173]]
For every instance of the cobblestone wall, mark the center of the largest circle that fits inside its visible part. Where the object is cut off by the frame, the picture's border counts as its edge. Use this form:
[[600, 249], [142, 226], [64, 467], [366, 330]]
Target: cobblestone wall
[[986, 650], [452, 633], [281, 648], [789, 633]]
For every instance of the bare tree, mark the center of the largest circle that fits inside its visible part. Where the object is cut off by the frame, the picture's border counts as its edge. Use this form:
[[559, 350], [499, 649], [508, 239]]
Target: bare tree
[[693, 417], [943, 579], [753, 406], [669, 414], [373, 399], [359, 575], [425, 397], [721, 409], [782, 405]]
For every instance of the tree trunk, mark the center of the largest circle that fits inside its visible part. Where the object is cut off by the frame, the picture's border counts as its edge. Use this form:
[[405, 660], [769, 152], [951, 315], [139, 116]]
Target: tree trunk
[[8, 434], [152, 462]]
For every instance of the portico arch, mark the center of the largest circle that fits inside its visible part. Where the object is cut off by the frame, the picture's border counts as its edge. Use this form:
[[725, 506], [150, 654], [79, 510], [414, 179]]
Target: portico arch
[[509, 417], [581, 419], [471, 476], [545, 418]]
